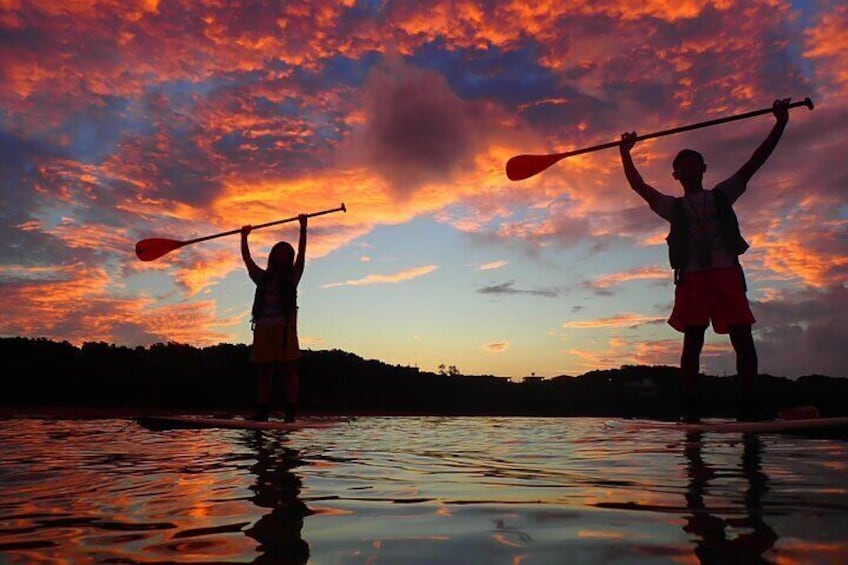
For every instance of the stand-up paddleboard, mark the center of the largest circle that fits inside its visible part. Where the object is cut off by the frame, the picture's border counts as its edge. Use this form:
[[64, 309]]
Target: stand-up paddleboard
[[158, 423], [733, 426]]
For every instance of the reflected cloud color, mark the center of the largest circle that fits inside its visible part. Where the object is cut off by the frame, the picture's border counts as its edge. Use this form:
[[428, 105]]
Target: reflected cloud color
[[107, 490], [121, 121]]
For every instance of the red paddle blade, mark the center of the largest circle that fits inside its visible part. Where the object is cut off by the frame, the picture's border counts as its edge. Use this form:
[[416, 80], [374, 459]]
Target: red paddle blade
[[524, 166], [155, 247]]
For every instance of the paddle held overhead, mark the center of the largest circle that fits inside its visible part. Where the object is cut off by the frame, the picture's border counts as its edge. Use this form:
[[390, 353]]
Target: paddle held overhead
[[525, 166], [155, 247]]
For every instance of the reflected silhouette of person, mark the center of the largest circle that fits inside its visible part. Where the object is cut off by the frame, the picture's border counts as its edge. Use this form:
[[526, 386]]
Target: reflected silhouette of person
[[704, 245], [275, 349], [278, 489], [714, 545]]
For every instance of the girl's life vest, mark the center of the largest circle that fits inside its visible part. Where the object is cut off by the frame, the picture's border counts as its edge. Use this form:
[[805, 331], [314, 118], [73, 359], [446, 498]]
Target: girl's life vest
[[679, 235], [286, 290]]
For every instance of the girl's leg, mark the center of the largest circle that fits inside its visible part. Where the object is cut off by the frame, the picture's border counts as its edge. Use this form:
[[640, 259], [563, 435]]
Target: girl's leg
[[263, 390], [292, 388]]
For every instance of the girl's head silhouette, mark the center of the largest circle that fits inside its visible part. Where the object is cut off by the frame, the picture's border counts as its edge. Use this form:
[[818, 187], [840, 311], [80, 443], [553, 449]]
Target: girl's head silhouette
[[281, 257]]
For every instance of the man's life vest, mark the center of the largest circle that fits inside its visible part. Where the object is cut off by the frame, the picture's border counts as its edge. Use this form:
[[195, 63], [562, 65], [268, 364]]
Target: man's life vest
[[679, 233]]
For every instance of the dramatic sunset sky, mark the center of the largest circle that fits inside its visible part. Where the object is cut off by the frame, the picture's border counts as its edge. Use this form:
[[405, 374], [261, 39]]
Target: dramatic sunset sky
[[124, 120]]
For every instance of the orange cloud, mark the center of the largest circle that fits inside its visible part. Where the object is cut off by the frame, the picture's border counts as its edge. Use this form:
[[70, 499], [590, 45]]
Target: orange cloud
[[624, 320], [667, 351], [207, 269], [591, 359], [405, 275], [638, 351], [646, 273], [827, 45], [74, 303], [812, 253]]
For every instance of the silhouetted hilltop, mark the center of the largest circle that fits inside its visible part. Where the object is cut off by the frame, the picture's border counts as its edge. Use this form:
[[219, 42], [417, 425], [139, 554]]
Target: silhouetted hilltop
[[171, 375]]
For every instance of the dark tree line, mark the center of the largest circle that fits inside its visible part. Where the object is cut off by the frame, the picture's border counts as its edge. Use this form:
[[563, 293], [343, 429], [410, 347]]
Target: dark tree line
[[220, 377]]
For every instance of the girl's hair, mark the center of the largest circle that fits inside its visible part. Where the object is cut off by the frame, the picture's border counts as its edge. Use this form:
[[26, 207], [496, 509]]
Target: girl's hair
[[281, 269], [281, 258]]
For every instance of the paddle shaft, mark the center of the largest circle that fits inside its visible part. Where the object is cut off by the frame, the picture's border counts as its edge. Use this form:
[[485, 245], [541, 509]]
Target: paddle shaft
[[806, 102], [155, 247], [524, 166], [265, 225]]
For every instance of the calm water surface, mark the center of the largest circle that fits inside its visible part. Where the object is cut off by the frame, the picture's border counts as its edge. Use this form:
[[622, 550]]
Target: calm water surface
[[417, 490]]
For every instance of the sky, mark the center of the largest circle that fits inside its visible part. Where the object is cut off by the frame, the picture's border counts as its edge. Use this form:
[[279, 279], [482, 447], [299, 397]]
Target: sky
[[123, 120]]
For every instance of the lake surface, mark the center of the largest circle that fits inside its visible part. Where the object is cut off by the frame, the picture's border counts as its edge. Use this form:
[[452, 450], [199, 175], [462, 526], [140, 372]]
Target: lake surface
[[417, 490]]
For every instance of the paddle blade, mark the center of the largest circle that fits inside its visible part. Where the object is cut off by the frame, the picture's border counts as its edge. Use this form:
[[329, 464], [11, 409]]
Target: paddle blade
[[524, 166], [155, 247]]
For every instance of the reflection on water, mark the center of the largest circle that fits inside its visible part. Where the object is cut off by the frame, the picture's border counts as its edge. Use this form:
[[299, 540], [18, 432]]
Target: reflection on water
[[277, 488], [727, 540], [417, 490]]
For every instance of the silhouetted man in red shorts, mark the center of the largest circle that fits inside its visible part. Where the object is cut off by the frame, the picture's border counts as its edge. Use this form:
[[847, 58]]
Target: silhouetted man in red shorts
[[704, 248]]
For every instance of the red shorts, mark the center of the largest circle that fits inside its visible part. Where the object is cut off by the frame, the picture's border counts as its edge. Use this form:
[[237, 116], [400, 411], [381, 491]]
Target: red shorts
[[716, 295]]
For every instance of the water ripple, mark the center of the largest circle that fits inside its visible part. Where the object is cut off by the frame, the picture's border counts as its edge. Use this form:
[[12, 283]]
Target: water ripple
[[415, 490]]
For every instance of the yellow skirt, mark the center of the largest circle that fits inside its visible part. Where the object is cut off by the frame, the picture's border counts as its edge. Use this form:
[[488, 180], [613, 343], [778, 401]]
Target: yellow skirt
[[275, 342]]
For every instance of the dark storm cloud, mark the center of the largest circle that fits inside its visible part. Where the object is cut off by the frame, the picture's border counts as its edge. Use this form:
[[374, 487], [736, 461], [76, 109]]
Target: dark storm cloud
[[514, 74], [29, 248], [804, 333], [21, 172], [508, 288], [416, 129], [20, 157]]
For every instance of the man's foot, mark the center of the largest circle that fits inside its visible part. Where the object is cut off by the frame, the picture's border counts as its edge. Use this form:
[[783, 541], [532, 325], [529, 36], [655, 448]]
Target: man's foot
[[261, 415], [752, 411], [289, 413], [799, 413]]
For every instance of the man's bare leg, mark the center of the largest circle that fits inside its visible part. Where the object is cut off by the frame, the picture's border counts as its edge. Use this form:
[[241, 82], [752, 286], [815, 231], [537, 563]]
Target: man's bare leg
[[690, 366]]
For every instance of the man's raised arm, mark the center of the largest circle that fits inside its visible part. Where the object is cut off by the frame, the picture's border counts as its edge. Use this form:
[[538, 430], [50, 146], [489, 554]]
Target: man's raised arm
[[780, 108], [300, 260], [643, 189]]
